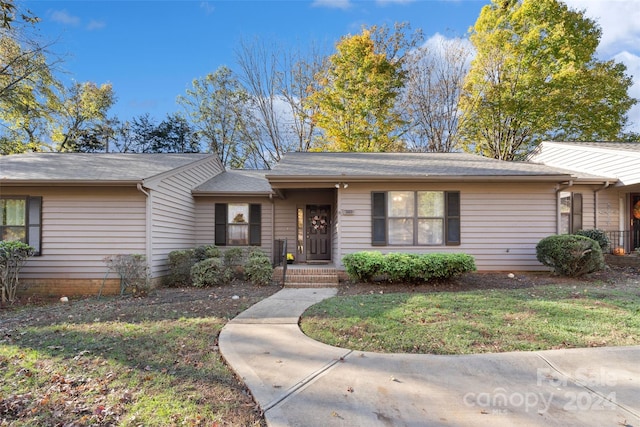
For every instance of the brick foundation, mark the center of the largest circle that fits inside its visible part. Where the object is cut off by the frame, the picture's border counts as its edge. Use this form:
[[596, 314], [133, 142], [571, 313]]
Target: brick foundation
[[48, 288]]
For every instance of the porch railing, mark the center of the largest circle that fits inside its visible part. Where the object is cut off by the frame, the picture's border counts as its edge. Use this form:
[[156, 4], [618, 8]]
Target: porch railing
[[627, 239], [280, 256]]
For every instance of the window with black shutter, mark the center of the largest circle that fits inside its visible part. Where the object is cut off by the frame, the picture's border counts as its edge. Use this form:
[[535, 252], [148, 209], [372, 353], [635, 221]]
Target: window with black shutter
[[415, 218], [238, 224]]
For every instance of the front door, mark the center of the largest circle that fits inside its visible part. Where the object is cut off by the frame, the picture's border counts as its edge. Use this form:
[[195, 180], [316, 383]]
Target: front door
[[318, 230], [635, 221]]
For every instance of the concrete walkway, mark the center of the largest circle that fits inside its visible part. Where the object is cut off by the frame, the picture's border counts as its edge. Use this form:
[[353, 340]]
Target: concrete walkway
[[300, 382]]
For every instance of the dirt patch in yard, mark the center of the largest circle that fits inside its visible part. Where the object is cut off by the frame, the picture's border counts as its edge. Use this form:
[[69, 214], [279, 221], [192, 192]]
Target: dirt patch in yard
[[619, 277]]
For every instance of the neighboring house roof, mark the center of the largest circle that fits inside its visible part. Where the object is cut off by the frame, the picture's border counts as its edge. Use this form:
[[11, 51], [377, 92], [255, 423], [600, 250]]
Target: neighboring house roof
[[242, 182], [309, 166], [90, 167], [617, 160]]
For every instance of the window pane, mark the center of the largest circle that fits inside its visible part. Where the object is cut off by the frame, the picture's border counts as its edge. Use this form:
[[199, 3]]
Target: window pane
[[14, 212], [430, 231], [430, 203], [401, 231], [401, 203], [238, 213], [565, 212], [14, 233], [238, 234]]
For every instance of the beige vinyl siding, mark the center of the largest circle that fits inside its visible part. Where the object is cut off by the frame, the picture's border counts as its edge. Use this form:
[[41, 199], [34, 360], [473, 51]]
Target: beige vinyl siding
[[205, 220], [173, 212], [500, 223], [622, 164], [81, 226]]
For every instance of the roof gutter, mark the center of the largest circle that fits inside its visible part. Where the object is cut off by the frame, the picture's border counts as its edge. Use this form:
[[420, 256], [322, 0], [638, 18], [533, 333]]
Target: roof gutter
[[595, 202], [331, 180], [76, 183]]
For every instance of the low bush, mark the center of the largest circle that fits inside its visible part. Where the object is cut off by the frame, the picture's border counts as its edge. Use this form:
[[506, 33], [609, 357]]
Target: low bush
[[133, 271], [599, 236], [258, 268], [180, 263], [406, 268], [205, 252], [570, 254], [363, 266], [210, 272], [13, 256]]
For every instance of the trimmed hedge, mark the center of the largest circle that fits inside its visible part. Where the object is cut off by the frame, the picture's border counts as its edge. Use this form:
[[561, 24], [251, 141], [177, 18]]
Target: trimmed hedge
[[570, 254], [404, 267]]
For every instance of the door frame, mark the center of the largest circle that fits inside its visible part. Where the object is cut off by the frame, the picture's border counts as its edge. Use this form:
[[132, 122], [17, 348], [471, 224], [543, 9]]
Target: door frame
[[303, 238]]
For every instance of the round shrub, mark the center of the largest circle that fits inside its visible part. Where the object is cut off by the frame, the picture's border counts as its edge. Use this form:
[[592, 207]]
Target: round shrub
[[258, 269], [210, 272], [597, 235], [570, 254]]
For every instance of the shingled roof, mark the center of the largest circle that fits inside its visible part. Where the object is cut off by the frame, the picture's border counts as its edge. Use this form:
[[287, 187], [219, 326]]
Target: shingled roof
[[236, 181], [398, 166], [90, 167]]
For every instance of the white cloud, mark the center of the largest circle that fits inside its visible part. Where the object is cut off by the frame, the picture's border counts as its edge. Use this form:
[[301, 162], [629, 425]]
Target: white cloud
[[620, 40], [332, 4], [95, 25], [632, 61], [619, 22], [207, 7], [63, 17]]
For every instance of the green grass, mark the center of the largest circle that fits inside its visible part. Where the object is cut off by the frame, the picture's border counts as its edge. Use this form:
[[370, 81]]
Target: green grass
[[150, 362], [484, 321]]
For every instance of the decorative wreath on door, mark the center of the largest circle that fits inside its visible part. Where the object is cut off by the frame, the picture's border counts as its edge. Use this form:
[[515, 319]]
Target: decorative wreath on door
[[319, 223], [636, 210]]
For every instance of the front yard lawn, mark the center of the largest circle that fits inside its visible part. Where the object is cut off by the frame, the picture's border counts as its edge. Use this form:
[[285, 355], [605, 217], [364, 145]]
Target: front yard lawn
[[571, 314], [125, 361]]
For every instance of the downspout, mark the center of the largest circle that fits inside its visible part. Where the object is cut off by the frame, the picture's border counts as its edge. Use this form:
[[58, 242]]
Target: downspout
[[148, 227], [595, 203], [559, 189], [273, 226]]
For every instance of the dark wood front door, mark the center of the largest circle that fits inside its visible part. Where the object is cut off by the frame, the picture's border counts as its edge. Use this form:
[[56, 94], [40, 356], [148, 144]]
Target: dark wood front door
[[318, 230], [635, 221]]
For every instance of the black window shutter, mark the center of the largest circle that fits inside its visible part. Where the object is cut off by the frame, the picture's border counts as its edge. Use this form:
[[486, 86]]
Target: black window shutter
[[221, 224], [255, 227], [379, 218], [34, 222], [576, 212], [452, 219]]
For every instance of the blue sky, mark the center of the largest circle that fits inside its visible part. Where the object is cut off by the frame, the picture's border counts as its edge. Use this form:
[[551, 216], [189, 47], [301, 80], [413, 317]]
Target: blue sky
[[151, 50]]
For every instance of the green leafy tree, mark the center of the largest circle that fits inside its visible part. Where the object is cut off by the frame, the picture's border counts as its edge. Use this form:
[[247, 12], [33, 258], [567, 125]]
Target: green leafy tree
[[535, 77], [355, 105], [27, 86], [81, 108], [175, 135]]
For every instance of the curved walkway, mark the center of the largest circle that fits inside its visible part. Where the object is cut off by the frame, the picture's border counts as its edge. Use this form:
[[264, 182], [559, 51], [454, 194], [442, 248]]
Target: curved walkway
[[298, 381]]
